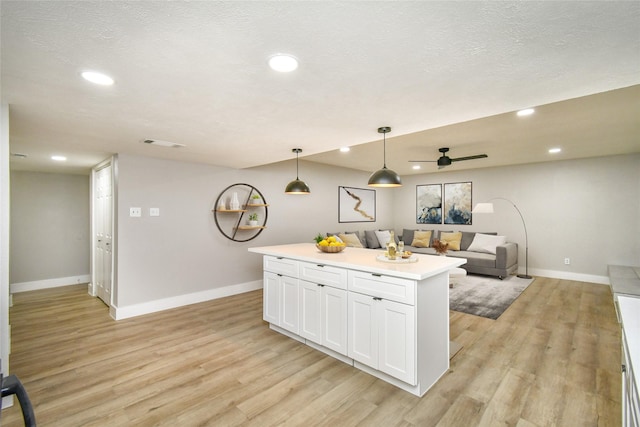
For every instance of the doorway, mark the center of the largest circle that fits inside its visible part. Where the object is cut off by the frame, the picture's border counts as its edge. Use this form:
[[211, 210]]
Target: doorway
[[102, 232]]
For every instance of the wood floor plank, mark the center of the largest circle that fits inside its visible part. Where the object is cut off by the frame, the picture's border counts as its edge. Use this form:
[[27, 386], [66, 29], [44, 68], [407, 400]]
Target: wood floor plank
[[553, 358]]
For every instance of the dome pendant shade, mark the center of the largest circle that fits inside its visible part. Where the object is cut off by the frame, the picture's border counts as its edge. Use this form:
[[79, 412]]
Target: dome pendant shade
[[384, 177], [297, 186]]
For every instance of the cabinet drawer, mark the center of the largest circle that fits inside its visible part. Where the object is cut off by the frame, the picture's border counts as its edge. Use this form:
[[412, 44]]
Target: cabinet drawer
[[385, 287], [285, 266], [323, 274]]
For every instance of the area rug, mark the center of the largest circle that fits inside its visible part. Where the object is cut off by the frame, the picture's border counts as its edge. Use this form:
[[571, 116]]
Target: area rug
[[485, 296]]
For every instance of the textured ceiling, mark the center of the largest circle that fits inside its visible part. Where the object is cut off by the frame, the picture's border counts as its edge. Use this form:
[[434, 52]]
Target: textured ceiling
[[196, 73]]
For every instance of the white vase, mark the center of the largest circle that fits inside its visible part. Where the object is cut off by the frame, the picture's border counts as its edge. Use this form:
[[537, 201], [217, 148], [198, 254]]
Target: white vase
[[221, 205], [235, 203]]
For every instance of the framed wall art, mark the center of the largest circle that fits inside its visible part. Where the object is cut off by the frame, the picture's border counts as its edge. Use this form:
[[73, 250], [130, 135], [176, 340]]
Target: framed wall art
[[429, 204], [457, 203], [356, 205]]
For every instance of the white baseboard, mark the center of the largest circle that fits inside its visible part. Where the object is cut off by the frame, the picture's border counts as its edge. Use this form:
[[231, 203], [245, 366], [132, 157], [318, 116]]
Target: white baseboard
[[48, 283], [567, 275], [119, 313]]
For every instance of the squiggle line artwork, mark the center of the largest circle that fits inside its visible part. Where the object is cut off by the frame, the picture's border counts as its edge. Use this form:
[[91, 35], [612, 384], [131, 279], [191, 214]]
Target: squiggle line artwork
[[357, 205]]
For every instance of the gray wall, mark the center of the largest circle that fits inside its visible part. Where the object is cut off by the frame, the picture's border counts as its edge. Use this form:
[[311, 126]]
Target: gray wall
[[182, 251], [587, 210], [49, 226]]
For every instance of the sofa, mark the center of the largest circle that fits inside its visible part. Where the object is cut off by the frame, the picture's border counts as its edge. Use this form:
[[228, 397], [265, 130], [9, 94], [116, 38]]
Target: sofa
[[486, 253]]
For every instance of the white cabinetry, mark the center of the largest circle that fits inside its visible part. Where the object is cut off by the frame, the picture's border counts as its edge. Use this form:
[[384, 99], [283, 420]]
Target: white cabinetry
[[391, 321], [382, 333], [630, 318]]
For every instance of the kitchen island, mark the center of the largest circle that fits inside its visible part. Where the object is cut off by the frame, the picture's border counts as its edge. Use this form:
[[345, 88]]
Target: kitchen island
[[390, 319]]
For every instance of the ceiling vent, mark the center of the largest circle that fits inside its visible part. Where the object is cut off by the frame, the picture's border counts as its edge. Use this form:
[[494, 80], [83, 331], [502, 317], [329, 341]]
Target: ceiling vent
[[161, 143]]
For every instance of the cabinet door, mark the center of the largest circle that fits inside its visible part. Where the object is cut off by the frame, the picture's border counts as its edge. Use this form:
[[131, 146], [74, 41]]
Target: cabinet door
[[271, 298], [310, 309], [334, 319], [363, 329], [397, 334], [290, 317]]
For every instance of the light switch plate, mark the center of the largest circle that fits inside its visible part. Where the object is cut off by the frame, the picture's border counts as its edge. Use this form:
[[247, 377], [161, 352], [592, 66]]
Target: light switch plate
[[135, 212], [154, 211]]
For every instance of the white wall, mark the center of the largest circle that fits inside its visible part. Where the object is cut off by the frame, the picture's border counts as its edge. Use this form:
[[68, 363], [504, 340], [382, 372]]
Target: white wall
[[182, 252], [50, 239], [587, 210], [4, 241]]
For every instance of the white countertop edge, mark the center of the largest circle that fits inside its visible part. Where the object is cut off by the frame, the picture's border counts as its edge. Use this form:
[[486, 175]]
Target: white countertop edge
[[364, 260], [630, 315]]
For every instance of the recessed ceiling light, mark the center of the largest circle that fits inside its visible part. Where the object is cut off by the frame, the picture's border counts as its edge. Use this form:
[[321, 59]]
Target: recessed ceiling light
[[283, 63], [416, 167], [97, 78], [555, 150], [58, 158], [162, 143], [526, 112], [345, 149]]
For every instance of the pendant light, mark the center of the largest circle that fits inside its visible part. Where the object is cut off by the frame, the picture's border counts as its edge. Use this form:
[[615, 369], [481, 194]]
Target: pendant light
[[385, 177], [296, 186]]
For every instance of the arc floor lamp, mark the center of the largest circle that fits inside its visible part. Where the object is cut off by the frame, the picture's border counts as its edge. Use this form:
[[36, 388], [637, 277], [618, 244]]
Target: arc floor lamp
[[488, 208]]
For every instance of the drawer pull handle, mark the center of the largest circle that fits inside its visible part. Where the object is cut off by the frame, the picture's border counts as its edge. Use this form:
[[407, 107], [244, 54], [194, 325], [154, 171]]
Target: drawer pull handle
[[280, 275], [322, 286], [377, 299], [319, 265], [376, 274], [279, 257]]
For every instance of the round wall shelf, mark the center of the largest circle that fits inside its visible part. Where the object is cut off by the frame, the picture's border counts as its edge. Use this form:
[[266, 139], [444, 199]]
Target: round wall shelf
[[235, 206]]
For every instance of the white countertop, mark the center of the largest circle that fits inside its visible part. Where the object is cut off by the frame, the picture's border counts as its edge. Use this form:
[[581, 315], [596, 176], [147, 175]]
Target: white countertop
[[364, 260], [630, 315]]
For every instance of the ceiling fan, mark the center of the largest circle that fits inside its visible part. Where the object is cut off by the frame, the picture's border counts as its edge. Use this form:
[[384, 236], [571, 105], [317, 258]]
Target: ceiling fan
[[446, 160]]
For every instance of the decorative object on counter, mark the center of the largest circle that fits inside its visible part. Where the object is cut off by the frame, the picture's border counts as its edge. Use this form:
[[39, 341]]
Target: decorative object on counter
[[253, 219], [440, 247], [235, 203], [385, 177], [356, 204], [397, 260], [329, 244], [488, 208], [297, 186], [391, 245], [401, 247]]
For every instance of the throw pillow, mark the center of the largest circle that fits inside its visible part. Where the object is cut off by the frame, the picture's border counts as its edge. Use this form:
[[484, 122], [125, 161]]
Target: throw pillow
[[371, 239], [453, 239], [486, 243], [350, 240], [383, 237], [421, 239]]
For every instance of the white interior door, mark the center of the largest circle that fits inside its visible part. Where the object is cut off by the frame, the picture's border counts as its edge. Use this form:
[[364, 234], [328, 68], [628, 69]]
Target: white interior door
[[103, 251]]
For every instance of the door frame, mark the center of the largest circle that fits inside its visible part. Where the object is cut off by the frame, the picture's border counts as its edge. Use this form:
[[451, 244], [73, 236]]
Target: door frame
[[113, 161]]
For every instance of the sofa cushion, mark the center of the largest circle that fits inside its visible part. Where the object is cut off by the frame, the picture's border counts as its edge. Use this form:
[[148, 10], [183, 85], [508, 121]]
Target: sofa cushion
[[453, 239], [371, 239], [486, 243], [421, 239], [351, 240], [467, 238], [383, 237], [477, 259]]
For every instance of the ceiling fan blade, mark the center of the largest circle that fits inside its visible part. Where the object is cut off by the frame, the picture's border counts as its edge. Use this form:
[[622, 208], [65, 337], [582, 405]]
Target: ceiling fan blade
[[422, 161], [477, 156]]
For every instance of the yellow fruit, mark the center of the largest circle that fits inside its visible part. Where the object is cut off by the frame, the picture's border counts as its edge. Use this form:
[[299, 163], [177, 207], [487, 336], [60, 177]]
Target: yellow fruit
[[331, 239], [323, 243]]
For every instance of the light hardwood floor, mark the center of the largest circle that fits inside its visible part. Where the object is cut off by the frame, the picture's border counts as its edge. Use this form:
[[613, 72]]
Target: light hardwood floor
[[552, 359]]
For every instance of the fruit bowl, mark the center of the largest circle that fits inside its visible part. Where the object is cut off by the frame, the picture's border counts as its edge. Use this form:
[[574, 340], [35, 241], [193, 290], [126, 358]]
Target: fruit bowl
[[331, 249]]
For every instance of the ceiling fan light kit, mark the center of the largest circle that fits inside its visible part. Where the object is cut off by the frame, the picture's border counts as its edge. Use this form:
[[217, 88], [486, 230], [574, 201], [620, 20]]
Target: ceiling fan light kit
[[384, 177], [297, 186]]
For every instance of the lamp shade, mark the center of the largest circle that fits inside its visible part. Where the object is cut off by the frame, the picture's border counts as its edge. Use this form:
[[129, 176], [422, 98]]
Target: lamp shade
[[297, 187], [385, 178], [483, 208]]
